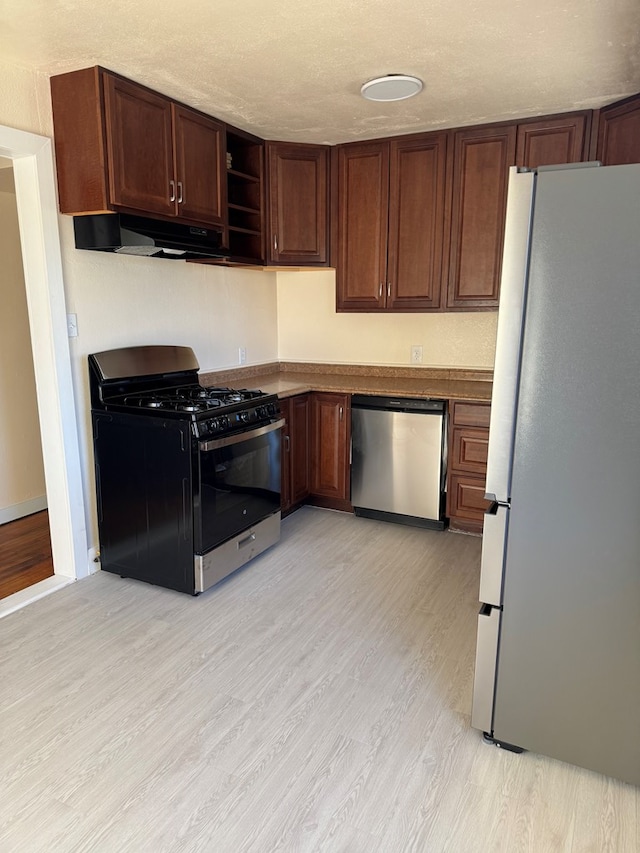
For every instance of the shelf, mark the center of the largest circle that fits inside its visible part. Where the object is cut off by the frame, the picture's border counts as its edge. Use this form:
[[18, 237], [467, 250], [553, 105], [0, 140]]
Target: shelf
[[244, 209], [245, 196], [243, 175], [240, 230]]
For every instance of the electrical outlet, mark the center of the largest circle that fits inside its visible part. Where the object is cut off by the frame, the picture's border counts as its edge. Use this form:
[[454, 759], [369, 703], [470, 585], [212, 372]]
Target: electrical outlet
[[242, 355], [416, 354]]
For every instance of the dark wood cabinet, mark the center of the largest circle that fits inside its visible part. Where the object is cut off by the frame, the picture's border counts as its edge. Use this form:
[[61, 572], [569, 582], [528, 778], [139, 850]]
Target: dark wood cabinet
[[468, 446], [555, 139], [199, 145], [330, 441], [417, 176], [121, 146], [480, 169], [363, 202], [295, 451], [138, 132], [391, 199], [245, 194], [619, 133], [298, 194]]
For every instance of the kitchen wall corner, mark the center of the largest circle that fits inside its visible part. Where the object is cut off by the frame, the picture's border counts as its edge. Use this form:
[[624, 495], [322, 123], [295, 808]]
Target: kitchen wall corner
[[309, 329]]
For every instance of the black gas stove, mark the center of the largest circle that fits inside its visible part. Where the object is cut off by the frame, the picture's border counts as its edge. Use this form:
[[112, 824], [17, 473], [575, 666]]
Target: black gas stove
[[187, 476], [211, 411]]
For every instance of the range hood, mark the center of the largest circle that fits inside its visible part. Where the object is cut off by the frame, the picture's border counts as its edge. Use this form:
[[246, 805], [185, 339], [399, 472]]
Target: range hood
[[153, 238]]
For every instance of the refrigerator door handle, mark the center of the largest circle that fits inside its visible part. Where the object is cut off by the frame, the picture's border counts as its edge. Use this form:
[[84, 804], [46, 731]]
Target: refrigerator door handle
[[486, 665], [494, 540], [515, 267]]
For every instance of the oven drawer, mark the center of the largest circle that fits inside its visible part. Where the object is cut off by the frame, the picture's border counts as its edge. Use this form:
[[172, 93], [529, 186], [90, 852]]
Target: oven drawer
[[226, 558]]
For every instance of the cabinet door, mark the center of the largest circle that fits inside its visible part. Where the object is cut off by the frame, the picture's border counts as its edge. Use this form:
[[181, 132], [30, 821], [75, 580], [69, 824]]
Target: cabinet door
[[330, 445], [139, 147], [298, 193], [285, 456], [562, 139], [416, 222], [619, 133], [201, 181], [481, 161], [299, 427], [363, 199]]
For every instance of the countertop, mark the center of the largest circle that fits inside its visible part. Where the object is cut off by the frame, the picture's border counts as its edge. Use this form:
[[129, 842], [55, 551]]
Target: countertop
[[287, 379]]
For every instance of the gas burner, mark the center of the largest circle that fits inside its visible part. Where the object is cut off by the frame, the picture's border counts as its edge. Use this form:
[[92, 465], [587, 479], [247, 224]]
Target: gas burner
[[153, 404], [190, 407]]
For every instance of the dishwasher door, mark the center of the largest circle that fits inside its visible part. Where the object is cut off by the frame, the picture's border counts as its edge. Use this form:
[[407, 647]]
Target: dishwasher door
[[398, 459]]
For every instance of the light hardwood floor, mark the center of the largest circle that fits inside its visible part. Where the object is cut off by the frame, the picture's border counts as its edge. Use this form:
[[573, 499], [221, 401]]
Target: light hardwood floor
[[317, 700]]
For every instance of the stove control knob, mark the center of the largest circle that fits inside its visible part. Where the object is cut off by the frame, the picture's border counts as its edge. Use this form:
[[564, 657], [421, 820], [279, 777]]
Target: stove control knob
[[272, 409], [244, 417], [261, 411]]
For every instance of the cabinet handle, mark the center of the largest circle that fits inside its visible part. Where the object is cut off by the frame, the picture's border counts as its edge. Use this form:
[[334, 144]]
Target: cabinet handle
[[341, 410], [275, 242], [388, 290], [287, 443], [172, 190], [380, 290], [180, 193]]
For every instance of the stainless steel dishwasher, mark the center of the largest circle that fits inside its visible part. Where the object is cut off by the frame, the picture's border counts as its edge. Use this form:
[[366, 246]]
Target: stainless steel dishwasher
[[398, 459]]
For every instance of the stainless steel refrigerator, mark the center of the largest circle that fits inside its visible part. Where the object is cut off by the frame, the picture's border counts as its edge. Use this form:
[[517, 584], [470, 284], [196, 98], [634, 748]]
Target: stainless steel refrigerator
[[558, 653]]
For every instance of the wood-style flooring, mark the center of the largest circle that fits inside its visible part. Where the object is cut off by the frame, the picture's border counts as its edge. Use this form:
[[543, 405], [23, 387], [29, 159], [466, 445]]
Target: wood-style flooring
[[25, 553], [317, 700]]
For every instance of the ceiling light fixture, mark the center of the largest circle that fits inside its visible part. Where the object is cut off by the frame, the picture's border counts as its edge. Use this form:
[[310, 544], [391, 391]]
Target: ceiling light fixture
[[391, 87]]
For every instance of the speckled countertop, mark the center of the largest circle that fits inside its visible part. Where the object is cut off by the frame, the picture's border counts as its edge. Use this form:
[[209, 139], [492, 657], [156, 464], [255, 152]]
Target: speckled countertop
[[289, 378]]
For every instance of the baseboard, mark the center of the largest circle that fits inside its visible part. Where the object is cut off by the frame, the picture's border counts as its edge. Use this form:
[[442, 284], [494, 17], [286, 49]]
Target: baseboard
[[11, 513]]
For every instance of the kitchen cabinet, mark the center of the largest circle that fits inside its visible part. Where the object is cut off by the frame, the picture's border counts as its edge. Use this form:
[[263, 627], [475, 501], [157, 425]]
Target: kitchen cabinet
[[554, 139], [245, 194], [295, 451], [480, 170], [619, 133], [468, 446], [298, 194], [121, 146], [391, 216], [330, 449]]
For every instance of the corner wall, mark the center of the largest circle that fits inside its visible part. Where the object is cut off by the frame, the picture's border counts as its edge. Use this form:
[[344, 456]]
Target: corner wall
[[309, 329]]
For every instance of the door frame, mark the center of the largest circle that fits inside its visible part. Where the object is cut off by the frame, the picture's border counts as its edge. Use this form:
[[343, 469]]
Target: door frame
[[34, 175]]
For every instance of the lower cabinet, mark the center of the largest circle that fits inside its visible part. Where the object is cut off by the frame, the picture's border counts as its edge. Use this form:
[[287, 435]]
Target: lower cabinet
[[468, 446], [295, 451], [330, 449]]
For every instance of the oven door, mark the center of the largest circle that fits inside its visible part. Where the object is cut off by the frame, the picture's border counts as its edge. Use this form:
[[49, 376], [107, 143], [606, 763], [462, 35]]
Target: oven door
[[238, 484]]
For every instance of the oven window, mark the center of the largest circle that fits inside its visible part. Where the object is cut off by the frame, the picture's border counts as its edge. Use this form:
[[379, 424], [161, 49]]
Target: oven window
[[238, 486]]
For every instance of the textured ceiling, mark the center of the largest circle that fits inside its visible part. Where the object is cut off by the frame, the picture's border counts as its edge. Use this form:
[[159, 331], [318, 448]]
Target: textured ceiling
[[292, 70]]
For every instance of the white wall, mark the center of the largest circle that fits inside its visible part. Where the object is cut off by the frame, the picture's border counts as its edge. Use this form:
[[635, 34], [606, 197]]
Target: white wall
[[22, 487], [309, 329]]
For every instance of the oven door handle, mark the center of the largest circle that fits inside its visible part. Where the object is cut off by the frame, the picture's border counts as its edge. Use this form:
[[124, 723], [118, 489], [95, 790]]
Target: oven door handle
[[216, 443]]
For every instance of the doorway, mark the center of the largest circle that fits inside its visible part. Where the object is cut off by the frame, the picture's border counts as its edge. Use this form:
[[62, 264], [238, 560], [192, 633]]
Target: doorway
[[25, 542], [34, 174]]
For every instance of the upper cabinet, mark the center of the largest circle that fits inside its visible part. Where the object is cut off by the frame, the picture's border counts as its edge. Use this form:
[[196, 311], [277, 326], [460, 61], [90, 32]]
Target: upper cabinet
[[121, 146], [298, 193], [363, 201], [480, 171], [390, 223], [556, 139], [245, 192], [480, 164], [619, 133]]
